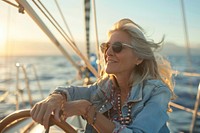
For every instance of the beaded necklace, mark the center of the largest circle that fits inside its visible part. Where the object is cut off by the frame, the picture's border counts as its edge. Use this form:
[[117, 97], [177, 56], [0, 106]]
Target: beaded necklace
[[116, 102], [123, 120]]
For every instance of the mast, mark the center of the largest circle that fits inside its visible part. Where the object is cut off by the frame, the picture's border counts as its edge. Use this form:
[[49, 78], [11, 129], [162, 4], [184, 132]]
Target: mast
[[87, 26]]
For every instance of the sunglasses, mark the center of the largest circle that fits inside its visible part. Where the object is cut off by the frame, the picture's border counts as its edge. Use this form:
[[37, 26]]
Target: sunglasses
[[116, 47]]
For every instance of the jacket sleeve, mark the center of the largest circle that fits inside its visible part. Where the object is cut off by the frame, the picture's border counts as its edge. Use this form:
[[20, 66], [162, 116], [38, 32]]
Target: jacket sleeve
[[153, 115], [77, 92]]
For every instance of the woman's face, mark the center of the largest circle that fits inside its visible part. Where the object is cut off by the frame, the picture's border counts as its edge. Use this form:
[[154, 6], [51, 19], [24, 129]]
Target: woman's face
[[121, 63]]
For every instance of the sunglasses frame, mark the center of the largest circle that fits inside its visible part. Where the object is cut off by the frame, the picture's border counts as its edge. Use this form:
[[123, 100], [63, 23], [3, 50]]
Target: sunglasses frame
[[105, 46]]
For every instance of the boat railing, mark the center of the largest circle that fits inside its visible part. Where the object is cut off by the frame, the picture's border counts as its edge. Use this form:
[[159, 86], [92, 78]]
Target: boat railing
[[27, 84], [194, 111]]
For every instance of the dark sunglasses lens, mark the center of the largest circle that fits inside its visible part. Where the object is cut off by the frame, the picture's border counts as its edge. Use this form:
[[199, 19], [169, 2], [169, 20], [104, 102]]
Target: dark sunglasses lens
[[117, 47]]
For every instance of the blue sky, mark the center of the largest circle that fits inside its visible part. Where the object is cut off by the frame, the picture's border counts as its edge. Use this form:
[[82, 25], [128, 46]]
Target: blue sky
[[157, 17]]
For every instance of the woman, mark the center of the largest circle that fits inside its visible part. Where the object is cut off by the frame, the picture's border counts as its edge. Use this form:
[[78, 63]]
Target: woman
[[132, 95]]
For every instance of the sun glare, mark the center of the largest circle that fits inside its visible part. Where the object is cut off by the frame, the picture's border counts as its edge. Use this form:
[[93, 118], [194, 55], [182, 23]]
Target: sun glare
[[2, 39], [2, 35]]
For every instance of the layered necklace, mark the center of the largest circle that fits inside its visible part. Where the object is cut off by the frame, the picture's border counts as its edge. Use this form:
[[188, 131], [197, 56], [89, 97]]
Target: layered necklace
[[116, 102], [123, 120]]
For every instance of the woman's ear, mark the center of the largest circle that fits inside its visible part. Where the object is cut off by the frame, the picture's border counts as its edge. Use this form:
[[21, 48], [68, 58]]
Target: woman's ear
[[139, 61]]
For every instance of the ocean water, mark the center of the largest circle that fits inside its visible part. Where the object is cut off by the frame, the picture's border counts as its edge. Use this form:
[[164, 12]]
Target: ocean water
[[54, 71]]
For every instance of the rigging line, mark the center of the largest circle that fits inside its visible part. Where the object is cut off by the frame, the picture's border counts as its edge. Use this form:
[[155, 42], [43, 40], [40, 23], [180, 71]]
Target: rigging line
[[189, 64], [72, 45], [68, 41], [186, 32], [72, 41], [87, 63], [64, 20], [67, 37], [11, 3], [41, 24], [44, 28], [96, 33]]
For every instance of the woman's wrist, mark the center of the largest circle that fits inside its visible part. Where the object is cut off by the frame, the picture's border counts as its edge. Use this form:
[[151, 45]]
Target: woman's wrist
[[60, 93], [90, 114], [61, 100]]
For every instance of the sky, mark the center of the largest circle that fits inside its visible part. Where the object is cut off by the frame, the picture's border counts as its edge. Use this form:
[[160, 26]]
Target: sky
[[19, 35]]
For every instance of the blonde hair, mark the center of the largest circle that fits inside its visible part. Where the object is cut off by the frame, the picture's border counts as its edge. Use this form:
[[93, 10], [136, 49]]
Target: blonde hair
[[152, 67]]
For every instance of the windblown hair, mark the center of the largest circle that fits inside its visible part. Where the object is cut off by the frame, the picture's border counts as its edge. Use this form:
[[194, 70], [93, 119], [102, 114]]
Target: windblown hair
[[152, 66]]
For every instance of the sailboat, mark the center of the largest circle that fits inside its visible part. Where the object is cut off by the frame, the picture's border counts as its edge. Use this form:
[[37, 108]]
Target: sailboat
[[10, 120], [25, 6]]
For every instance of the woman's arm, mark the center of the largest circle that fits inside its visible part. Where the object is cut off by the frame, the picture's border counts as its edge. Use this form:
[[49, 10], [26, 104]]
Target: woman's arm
[[77, 92], [93, 117], [42, 110]]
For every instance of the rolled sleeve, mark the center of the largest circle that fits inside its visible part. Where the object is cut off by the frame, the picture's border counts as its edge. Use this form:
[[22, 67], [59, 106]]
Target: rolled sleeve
[[77, 93]]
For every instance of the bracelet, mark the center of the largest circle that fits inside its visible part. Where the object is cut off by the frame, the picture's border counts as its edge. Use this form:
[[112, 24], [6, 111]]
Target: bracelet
[[87, 111], [62, 112], [63, 100], [93, 111]]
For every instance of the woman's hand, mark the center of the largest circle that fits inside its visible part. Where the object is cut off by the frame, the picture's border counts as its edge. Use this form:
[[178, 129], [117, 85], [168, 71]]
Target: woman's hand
[[42, 110]]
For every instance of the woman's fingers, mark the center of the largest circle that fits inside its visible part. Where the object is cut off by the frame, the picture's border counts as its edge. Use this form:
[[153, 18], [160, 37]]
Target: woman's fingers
[[33, 110], [42, 110], [34, 114], [46, 117], [57, 114]]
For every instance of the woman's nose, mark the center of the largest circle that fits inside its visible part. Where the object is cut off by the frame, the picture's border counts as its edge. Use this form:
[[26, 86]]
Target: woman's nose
[[109, 51]]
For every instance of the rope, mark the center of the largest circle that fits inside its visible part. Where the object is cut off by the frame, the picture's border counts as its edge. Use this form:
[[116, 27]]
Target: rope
[[46, 30], [73, 46], [186, 33], [58, 26], [64, 20], [11, 3], [96, 33]]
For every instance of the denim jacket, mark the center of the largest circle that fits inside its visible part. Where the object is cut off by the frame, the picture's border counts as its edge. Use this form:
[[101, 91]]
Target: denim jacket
[[149, 99]]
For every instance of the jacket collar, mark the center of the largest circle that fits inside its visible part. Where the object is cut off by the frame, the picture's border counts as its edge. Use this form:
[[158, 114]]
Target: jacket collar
[[136, 93]]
